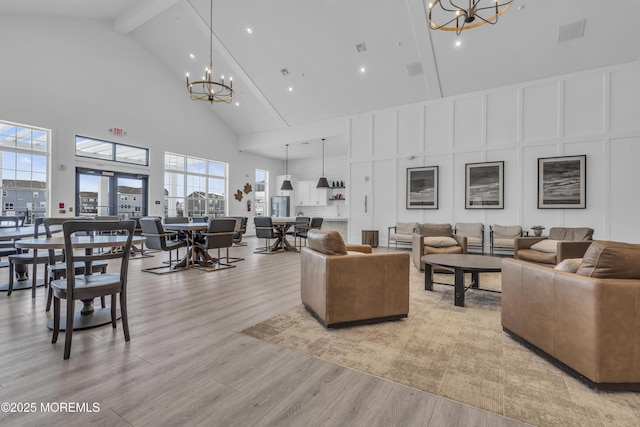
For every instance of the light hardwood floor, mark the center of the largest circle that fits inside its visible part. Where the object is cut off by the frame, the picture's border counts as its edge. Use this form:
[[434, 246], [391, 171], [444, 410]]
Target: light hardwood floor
[[189, 364]]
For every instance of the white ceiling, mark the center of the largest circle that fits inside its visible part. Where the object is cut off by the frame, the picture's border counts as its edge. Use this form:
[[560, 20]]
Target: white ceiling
[[316, 42]]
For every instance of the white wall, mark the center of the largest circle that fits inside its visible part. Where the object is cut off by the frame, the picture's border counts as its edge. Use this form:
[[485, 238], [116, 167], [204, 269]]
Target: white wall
[[594, 113], [78, 77]]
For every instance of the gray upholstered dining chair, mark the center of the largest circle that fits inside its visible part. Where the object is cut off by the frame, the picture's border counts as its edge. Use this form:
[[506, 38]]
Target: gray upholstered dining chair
[[159, 239], [83, 287], [315, 223], [298, 229], [264, 230], [219, 235]]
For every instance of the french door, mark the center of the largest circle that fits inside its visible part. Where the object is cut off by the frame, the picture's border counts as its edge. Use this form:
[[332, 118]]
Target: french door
[[106, 193]]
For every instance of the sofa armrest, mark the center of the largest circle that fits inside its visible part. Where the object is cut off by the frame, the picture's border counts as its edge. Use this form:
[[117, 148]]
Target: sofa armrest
[[417, 250], [365, 249], [462, 241], [525, 243], [571, 249]]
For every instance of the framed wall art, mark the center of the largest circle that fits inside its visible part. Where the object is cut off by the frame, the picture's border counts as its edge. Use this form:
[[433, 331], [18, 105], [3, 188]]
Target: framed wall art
[[562, 182], [484, 185], [422, 188]]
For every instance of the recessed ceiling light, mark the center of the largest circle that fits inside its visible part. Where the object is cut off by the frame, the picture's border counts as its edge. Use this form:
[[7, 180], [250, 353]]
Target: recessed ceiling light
[[237, 104], [458, 43], [192, 56], [290, 89], [362, 69], [249, 30]]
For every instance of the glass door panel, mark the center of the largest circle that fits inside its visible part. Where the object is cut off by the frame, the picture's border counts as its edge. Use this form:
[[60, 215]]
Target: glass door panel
[[105, 193]]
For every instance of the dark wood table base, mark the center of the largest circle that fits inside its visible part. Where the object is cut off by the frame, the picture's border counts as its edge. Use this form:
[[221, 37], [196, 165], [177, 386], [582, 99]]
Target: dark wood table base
[[459, 265]]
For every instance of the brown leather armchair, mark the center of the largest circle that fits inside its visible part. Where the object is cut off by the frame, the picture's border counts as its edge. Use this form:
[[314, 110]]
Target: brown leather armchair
[[584, 318], [435, 239], [562, 243], [346, 284]]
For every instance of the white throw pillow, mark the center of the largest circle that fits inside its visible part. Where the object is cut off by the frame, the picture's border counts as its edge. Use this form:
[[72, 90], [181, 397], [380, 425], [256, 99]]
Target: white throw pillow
[[570, 265], [440, 242], [546, 245]]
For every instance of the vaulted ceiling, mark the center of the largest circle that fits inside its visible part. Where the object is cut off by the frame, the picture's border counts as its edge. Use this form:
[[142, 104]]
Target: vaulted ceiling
[[301, 63]]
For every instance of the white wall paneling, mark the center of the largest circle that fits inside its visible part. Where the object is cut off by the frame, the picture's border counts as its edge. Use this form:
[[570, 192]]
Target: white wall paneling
[[437, 126], [517, 125], [384, 133], [468, 122], [584, 105], [624, 197], [502, 117], [362, 137], [361, 204], [410, 138], [625, 93], [540, 113], [386, 187]]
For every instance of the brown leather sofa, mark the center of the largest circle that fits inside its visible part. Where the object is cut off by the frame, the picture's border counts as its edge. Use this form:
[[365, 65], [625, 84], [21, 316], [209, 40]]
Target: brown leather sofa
[[435, 239], [562, 243], [588, 320], [346, 284]]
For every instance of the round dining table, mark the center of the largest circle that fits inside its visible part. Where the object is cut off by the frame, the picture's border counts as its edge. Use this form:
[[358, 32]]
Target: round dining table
[[89, 316], [16, 233]]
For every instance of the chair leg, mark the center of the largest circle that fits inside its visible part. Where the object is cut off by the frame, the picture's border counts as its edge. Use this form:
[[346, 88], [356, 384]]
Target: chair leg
[[114, 314], [68, 332], [56, 320], [49, 297], [125, 317], [11, 274]]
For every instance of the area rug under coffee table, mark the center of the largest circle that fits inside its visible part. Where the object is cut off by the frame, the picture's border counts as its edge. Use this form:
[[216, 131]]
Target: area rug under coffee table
[[460, 353]]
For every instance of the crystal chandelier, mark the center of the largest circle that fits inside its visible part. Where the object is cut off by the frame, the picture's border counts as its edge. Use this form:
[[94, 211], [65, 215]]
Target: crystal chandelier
[[207, 89], [458, 18]]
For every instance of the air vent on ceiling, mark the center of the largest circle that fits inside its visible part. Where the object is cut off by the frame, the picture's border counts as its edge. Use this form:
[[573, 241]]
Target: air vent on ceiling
[[284, 72], [572, 31], [415, 69], [361, 47]]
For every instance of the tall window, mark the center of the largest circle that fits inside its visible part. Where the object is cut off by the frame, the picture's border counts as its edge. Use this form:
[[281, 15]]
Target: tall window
[[262, 184], [24, 152], [194, 186]]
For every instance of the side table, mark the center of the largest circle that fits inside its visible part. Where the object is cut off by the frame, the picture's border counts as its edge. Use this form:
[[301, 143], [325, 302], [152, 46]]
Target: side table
[[370, 237]]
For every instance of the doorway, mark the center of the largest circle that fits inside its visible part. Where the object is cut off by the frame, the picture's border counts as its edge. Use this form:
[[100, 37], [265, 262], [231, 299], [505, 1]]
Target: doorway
[[106, 193]]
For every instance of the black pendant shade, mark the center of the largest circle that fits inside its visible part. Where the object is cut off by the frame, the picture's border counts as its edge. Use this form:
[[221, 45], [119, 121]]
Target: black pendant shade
[[286, 184], [322, 182]]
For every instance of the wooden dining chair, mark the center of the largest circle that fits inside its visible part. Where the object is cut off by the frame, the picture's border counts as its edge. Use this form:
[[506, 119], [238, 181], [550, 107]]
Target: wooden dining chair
[[57, 266], [6, 247], [83, 287], [25, 259]]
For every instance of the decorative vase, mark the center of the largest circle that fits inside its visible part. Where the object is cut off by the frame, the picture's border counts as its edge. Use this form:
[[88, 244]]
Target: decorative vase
[[537, 232]]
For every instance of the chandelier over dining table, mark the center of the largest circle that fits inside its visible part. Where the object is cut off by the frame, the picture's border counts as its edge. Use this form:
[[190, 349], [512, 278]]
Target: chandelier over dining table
[[207, 89], [459, 15]]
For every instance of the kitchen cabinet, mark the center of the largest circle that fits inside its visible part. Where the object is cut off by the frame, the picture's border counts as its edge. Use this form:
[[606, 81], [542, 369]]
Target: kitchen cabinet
[[305, 193]]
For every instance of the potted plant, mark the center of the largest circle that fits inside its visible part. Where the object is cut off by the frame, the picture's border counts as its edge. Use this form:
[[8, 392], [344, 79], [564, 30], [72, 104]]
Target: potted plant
[[537, 230]]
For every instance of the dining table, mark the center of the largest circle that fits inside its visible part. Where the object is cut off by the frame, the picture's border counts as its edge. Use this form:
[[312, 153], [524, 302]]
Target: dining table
[[282, 226], [194, 254], [89, 316]]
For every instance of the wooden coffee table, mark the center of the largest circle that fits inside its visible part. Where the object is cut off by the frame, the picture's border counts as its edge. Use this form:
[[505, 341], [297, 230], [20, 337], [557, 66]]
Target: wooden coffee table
[[460, 264]]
